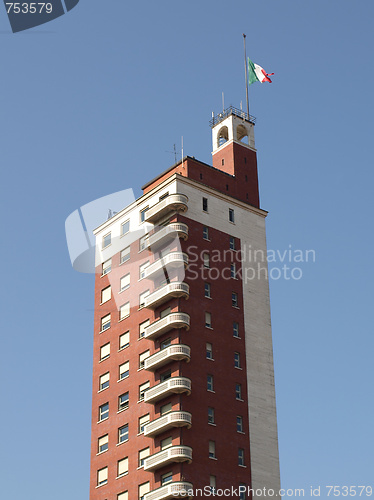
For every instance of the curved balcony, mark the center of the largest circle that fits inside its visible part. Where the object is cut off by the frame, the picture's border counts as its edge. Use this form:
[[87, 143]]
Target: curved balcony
[[172, 419], [165, 293], [178, 453], [171, 261], [178, 489], [174, 385], [170, 204], [163, 235], [169, 322], [175, 352]]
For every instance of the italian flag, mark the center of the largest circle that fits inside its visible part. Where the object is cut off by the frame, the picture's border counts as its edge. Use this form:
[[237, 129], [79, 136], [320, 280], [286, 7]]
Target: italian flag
[[257, 74]]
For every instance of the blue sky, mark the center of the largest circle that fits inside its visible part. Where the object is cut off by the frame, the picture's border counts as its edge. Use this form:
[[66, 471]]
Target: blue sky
[[91, 104]]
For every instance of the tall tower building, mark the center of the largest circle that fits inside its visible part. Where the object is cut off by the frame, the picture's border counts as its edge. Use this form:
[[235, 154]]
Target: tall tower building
[[183, 377]]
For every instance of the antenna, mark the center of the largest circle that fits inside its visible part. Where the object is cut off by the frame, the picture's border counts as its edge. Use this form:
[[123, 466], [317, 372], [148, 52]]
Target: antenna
[[223, 101], [173, 152], [182, 152]]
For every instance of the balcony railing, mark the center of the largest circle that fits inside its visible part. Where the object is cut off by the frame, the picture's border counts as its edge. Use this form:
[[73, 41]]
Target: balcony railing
[[165, 293], [172, 203], [171, 260], [174, 385], [173, 454], [162, 235], [172, 419], [178, 489], [163, 325], [172, 353]]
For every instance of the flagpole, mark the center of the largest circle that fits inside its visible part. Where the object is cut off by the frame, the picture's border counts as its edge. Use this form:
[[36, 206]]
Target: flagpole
[[246, 74]]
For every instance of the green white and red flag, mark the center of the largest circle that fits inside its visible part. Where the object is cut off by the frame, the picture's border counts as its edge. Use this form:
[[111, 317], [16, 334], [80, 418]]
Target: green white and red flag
[[257, 74]]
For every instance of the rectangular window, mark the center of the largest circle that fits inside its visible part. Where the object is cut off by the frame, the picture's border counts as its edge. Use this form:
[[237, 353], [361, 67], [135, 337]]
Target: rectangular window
[[165, 376], [212, 449], [123, 401], [239, 424], [242, 494], [234, 299], [165, 344], [124, 340], [123, 496], [123, 433], [206, 260], [142, 328], [143, 243], [142, 357], [233, 270], [235, 329], [142, 269], [166, 443], [232, 243], [209, 351], [107, 267], [167, 408], [143, 454], [142, 389], [163, 196], [106, 294], [166, 478], [143, 489], [124, 370], [122, 466], [207, 290], [208, 320], [143, 421], [142, 298], [125, 227], [125, 282], [105, 322], [102, 476], [238, 391], [210, 415], [142, 214], [205, 204], [105, 351], [241, 456], [231, 215], [107, 240], [102, 443], [206, 233], [125, 255], [165, 312], [209, 380], [103, 412], [237, 360], [104, 381], [124, 311]]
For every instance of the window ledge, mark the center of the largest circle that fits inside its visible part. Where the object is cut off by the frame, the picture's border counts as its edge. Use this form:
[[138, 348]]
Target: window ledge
[[101, 360], [124, 262], [101, 452], [208, 297], [124, 378], [103, 420], [240, 432], [124, 290], [209, 327], [101, 303], [102, 276], [210, 359], [100, 485], [102, 331], [123, 409], [123, 442], [119, 321], [121, 475], [236, 307], [211, 423], [101, 390], [124, 347], [213, 458], [238, 367], [210, 390], [244, 466], [238, 399]]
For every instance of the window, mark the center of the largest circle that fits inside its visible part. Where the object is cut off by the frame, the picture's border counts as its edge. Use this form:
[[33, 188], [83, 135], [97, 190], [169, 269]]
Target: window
[[124, 370], [163, 196], [166, 443], [238, 391], [235, 329], [103, 412], [104, 381], [242, 486], [122, 466], [207, 290], [102, 476], [143, 421], [107, 267], [234, 299], [206, 233], [241, 456], [208, 320], [124, 340], [143, 489], [212, 449], [104, 351], [107, 240], [125, 255], [142, 298], [166, 409], [105, 322], [206, 260], [142, 269], [142, 214], [142, 389], [125, 227], [232, 243], [106, 294], [210, 383], [123, 496], [123, 433], [123, 401], [142, 357], [102, 444], [231, 215], [233, 270], [142, 243], [124, 311], [166, 478], [143, 454], [125, 282], [205, 204], [165, 312], [165, 344], [165, 376], [210, 415], [237, 360], [142, 328], [209, 351], [239, 424], [212, 483]]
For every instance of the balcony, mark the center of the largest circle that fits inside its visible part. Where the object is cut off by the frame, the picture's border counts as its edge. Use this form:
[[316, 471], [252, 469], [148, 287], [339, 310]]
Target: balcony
[[173, 454], [165, 293], [170, 261], [163, 235], [175, 352], [174, 385], [170, 204], [172, 419], [169, 322], [172, 490]]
